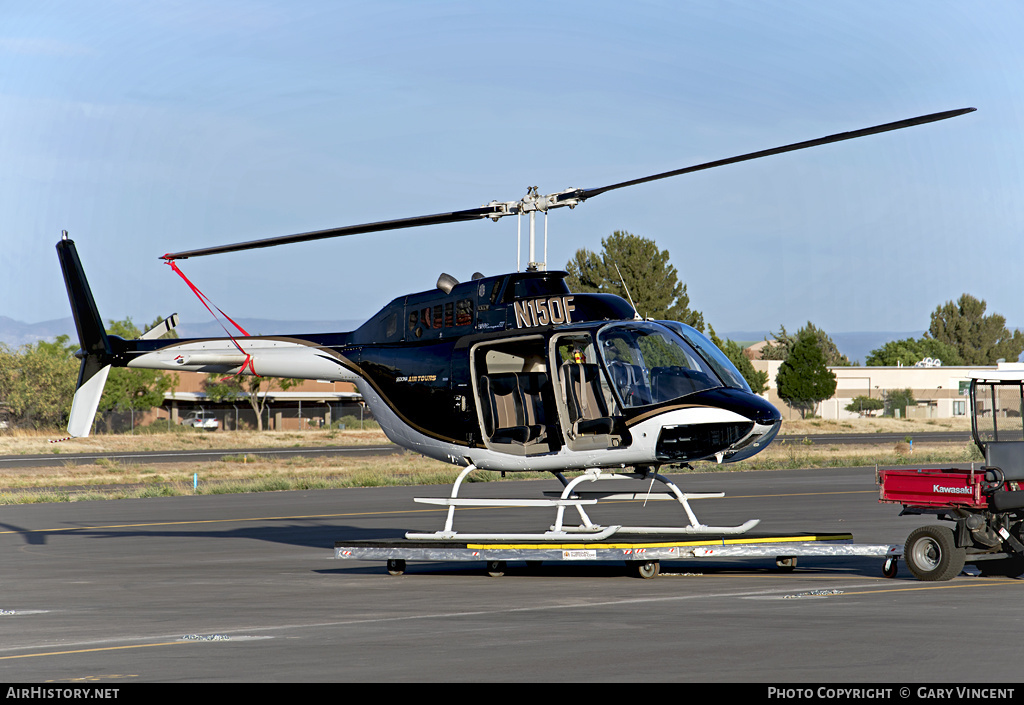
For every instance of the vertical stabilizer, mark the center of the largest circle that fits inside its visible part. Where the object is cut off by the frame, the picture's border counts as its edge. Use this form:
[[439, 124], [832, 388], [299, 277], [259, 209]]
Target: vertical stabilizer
[[87, 397], [92, 336], [95, 353]]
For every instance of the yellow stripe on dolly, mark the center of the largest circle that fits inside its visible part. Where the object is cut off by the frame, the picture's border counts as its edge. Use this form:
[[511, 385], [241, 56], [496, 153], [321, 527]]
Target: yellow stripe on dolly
[[661, 544]]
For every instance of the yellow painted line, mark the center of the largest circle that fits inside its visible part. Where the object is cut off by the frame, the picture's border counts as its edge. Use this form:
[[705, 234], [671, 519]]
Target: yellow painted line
[[944, 586], [102, 648], [798, 494]]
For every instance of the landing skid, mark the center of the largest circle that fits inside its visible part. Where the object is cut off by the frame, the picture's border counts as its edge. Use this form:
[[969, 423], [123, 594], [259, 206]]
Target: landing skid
[[587, 530]]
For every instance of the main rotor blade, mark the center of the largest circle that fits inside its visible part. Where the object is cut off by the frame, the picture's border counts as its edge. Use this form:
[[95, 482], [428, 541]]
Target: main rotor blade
[[417, 221], [583, 194], [570, 198]]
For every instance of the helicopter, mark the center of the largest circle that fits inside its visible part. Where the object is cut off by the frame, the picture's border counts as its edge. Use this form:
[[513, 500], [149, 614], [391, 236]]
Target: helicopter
[[506, 373]]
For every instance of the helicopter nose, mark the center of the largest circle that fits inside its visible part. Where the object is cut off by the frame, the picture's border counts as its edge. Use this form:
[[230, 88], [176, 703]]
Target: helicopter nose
[[767, 415], [755, 442]]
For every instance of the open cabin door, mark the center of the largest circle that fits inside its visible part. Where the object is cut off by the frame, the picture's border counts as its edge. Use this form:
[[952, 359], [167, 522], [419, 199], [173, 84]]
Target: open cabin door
[[589, 413], [515, 396], [539, 393]]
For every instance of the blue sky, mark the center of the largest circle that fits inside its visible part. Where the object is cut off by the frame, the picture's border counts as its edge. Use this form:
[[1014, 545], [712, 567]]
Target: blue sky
[[144, 128]]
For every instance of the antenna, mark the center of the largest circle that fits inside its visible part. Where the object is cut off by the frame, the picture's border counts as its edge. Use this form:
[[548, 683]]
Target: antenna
[[626, 289]]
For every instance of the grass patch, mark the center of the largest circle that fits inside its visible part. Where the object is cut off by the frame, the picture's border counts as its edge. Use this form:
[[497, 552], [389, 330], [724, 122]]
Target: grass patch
[[240, 472], [80, 482], [23, 442], [798, 455]]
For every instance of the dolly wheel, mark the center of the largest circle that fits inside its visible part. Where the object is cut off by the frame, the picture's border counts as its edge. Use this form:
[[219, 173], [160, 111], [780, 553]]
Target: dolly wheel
[[645, 569], [931, 554], [396, 566], [495, 569], [786, 563], [890, 568]]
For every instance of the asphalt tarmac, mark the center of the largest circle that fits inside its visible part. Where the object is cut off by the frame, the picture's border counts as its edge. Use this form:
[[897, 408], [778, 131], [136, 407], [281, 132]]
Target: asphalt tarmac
[[245, 588]]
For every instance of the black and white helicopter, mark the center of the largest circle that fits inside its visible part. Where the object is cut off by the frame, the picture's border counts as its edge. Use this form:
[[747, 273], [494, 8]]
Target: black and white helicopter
[[508, 373]]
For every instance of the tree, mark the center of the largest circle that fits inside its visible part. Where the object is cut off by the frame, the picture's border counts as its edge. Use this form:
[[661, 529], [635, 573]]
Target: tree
[[898, 399], [652, 282], [803, 379], [910, 351], [862, 404], [979, 339], [757, 379], [37, 382], [779, 350], [252, 388]]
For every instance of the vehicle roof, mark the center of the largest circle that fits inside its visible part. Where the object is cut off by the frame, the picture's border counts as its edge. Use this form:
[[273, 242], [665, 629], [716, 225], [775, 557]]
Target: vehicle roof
[[1004, 375]]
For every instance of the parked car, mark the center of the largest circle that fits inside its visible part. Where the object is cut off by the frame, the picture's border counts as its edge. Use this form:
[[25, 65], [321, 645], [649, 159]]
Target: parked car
[[201, 419]]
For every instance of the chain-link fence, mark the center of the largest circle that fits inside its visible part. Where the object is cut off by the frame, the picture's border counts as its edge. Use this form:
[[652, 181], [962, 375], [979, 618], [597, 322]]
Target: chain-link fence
[[282, 416]]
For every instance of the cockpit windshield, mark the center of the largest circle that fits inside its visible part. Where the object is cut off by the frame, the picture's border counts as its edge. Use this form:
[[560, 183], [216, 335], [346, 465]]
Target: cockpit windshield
[[715, 357], [649, 364]]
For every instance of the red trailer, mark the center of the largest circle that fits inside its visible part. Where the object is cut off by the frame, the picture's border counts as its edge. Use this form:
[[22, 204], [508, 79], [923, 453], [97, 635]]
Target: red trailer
[[985, 504]]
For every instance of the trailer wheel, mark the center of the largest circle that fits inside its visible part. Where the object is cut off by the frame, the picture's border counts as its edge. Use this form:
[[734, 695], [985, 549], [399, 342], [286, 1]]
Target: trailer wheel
[[396, 566], [931, 554], [890, 568], [645, 569]]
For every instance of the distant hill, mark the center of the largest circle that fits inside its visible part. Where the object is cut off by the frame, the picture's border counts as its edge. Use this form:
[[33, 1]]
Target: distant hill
[[15, 333], [856, 346]]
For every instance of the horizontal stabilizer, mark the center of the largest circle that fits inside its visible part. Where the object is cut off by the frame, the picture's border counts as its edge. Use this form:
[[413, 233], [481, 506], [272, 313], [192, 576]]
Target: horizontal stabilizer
[[164, 326]]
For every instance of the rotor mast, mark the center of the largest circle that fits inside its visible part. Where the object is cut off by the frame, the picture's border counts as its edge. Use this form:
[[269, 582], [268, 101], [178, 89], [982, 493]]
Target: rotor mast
[[531, 204]]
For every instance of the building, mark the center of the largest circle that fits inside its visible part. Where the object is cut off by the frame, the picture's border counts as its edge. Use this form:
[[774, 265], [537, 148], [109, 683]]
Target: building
[[310, 404], [940, 392]]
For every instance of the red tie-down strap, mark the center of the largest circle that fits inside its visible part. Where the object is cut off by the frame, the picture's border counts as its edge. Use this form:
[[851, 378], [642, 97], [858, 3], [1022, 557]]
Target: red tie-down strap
[[207, 302]]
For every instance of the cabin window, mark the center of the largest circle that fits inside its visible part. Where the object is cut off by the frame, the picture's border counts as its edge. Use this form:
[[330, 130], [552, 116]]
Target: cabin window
[[438, 319], [449, 315], [578, 350], [425, 315], [392, 325], [464, 312]]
